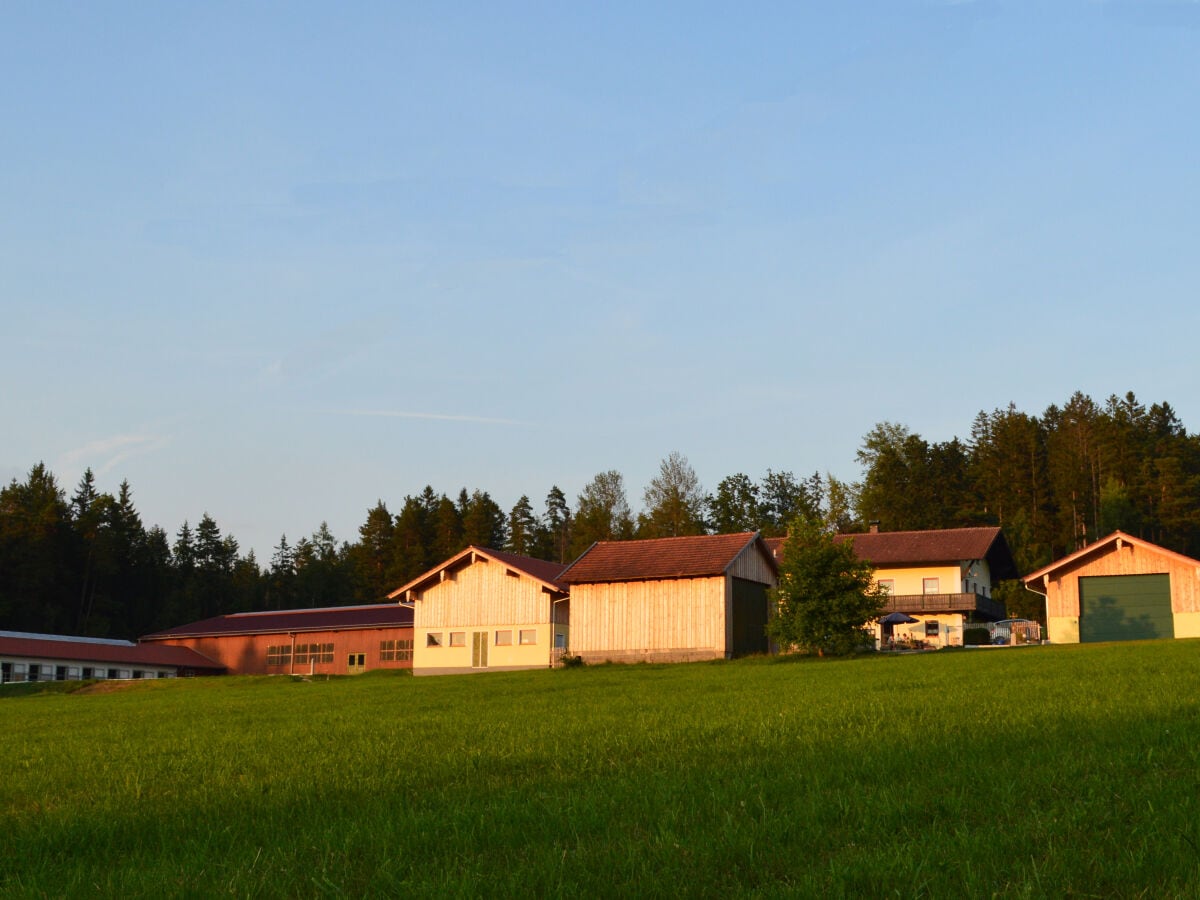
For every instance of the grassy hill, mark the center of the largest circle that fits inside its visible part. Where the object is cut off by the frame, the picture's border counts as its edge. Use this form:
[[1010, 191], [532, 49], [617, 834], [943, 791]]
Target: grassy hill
[[1043, 771]]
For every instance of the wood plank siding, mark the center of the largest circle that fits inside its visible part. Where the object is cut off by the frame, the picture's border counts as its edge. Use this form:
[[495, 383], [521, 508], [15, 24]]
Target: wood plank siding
[[485, 593], [1062, 589], [659, 620], [1118, 554]]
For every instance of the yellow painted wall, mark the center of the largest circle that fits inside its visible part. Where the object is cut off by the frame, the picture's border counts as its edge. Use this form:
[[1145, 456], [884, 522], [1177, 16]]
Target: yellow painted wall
[[1187, 625], [1062, 629], [484, 596], [911, 580], [514, 656]]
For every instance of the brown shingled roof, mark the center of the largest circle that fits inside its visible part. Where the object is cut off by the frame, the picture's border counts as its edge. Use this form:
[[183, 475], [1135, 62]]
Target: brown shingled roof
[[678, 557], [376, 615], [894, 548]]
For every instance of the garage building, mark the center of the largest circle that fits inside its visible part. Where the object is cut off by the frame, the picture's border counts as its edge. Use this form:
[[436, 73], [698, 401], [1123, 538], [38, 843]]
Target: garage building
[[1121, 588]]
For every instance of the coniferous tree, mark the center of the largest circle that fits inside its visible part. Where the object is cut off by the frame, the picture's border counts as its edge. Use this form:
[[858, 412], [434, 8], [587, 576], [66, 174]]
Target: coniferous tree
[[522, 528]]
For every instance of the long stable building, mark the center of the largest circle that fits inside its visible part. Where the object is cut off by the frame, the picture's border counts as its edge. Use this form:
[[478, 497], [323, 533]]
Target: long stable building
[[56, 657], [338, 640]]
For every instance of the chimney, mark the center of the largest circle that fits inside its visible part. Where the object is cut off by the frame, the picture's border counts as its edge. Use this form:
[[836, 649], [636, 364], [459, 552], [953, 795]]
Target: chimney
[[874, 523]]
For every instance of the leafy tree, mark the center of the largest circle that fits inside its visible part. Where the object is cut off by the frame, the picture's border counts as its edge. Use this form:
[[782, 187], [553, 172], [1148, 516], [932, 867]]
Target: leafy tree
[[601, 512], [783, 498], [826, 595], [674, 501], [735, 507], [839, 510]]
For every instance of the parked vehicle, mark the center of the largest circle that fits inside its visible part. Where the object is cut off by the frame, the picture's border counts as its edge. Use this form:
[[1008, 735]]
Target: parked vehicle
[[1026, 630]]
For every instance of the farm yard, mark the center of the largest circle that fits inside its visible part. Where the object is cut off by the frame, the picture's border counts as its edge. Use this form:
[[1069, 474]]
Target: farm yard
[[1038, 771]]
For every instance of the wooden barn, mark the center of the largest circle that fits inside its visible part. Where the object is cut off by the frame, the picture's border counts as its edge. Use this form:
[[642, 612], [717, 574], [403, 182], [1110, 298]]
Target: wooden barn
[[671, 599], [57, 657], [487, 610], [1120, 588], [338, 640]]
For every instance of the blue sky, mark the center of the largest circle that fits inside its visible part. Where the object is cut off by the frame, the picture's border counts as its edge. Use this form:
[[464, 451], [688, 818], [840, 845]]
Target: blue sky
[[278, 261]]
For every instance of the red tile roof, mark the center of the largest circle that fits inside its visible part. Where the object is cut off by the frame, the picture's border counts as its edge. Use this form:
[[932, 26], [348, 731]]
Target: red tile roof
[[538, 569], [333, 618], [679, 557], [896, 548], [73, 649]]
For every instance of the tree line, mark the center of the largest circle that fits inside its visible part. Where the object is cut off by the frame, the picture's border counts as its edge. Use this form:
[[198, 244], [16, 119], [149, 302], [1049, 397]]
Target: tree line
[[87, 564]]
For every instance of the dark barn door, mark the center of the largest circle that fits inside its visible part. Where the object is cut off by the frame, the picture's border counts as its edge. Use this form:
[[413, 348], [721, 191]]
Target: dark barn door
[[749, 617]]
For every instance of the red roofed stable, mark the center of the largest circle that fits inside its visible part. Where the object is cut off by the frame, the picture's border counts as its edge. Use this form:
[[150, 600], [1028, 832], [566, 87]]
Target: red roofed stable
[[337, 640], [671, 599], [53, 657]]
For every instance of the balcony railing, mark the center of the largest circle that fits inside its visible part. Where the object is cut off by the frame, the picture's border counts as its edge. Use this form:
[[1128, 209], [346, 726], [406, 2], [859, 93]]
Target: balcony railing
[[930, 603]]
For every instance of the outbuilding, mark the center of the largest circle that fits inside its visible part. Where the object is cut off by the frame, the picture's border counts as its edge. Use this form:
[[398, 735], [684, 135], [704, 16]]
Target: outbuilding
[[487, 610], [671, 599], [1120, 588]]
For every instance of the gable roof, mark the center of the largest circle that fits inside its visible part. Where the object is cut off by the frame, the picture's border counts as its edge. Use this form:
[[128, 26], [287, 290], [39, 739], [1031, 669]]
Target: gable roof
[[542, 571], [1116, 539], [698, 556], [86, 650], [340, 618], [942, 545]]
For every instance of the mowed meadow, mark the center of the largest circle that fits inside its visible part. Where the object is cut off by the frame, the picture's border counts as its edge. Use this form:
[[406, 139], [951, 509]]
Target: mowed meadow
[[1021, 772]]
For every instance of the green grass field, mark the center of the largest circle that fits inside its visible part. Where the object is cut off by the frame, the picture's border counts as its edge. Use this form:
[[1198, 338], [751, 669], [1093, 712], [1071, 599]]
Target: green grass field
[[1031, 772]]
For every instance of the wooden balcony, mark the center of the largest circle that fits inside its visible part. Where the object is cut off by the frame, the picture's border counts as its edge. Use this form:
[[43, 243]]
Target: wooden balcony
[[986, 607]]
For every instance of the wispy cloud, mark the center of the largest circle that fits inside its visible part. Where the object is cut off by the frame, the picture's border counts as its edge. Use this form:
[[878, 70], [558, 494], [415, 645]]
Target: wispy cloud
[[106, 453], [436, 417]]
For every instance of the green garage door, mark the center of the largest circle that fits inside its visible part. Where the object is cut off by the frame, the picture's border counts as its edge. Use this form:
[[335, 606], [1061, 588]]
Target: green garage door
[[1125, 608]]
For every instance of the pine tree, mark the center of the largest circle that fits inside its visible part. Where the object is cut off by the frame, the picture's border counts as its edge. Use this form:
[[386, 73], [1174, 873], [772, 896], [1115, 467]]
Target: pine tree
[[522, 528]]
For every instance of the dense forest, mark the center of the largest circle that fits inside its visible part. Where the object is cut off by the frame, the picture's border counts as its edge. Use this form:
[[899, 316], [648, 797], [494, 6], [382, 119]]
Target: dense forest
[[87, 564]]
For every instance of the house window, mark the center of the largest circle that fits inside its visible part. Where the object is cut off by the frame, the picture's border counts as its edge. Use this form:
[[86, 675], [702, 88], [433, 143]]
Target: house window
[[6, 672], [504, 638], [73, 673], [930, 586], [277, 655], [888, 585], [458, 639], [87, 672], [433, 639], [528, 636]]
